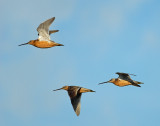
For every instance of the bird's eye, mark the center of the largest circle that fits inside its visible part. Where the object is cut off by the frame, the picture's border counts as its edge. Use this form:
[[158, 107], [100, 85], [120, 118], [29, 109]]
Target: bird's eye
[[38, 34]]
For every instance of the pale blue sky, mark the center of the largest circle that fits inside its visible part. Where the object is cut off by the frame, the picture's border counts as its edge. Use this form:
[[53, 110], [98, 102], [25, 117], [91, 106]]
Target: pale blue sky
[[101, 37]]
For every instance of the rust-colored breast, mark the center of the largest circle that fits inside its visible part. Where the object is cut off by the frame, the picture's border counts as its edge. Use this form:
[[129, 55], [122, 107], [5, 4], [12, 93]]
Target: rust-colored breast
[[121, 83], [44, 44]]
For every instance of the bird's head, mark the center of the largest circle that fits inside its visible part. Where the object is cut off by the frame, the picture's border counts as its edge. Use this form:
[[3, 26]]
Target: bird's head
[[31, 42], [111, 80]]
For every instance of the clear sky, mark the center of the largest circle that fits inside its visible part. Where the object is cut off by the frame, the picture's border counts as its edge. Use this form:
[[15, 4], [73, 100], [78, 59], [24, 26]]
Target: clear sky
[[101, 37]]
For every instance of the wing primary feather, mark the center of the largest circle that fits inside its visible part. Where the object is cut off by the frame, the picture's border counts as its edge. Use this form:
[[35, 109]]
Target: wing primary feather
[[76, 103]]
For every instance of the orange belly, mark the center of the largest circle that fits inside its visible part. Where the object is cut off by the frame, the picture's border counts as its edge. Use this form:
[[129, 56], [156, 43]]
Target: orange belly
[[44, 44], [122, 83]]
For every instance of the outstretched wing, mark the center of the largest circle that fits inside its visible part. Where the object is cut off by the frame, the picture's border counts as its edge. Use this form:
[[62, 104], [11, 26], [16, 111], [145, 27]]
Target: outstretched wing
[[75, 98], [76, 103], [125, 76], [43, 30]]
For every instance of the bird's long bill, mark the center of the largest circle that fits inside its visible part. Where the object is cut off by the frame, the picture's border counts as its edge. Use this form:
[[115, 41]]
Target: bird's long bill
[[104, 82], [57, 89], [23, 44]]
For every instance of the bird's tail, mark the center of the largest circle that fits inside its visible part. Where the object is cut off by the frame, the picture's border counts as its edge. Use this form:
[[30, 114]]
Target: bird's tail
[[82, 90], [137, 82]]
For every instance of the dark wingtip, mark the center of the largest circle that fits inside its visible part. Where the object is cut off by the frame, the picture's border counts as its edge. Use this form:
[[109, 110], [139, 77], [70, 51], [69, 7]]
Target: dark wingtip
[[53, 18], [137, 85], [132, 74], [120, 73], [125, 73]]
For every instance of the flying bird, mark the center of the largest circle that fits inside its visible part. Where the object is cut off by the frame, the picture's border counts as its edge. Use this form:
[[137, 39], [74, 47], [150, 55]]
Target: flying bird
[[124, 79], [44, 40], [75, 93]]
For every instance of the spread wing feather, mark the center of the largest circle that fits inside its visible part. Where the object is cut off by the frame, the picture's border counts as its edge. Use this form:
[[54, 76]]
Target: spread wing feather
[[125, 76], [76, 103], [43, 30], [75, 98]]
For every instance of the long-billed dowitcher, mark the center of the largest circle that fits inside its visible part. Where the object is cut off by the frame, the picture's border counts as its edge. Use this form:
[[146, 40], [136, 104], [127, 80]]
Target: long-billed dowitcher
[[44, 40], [123, 80], [75, 93]]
